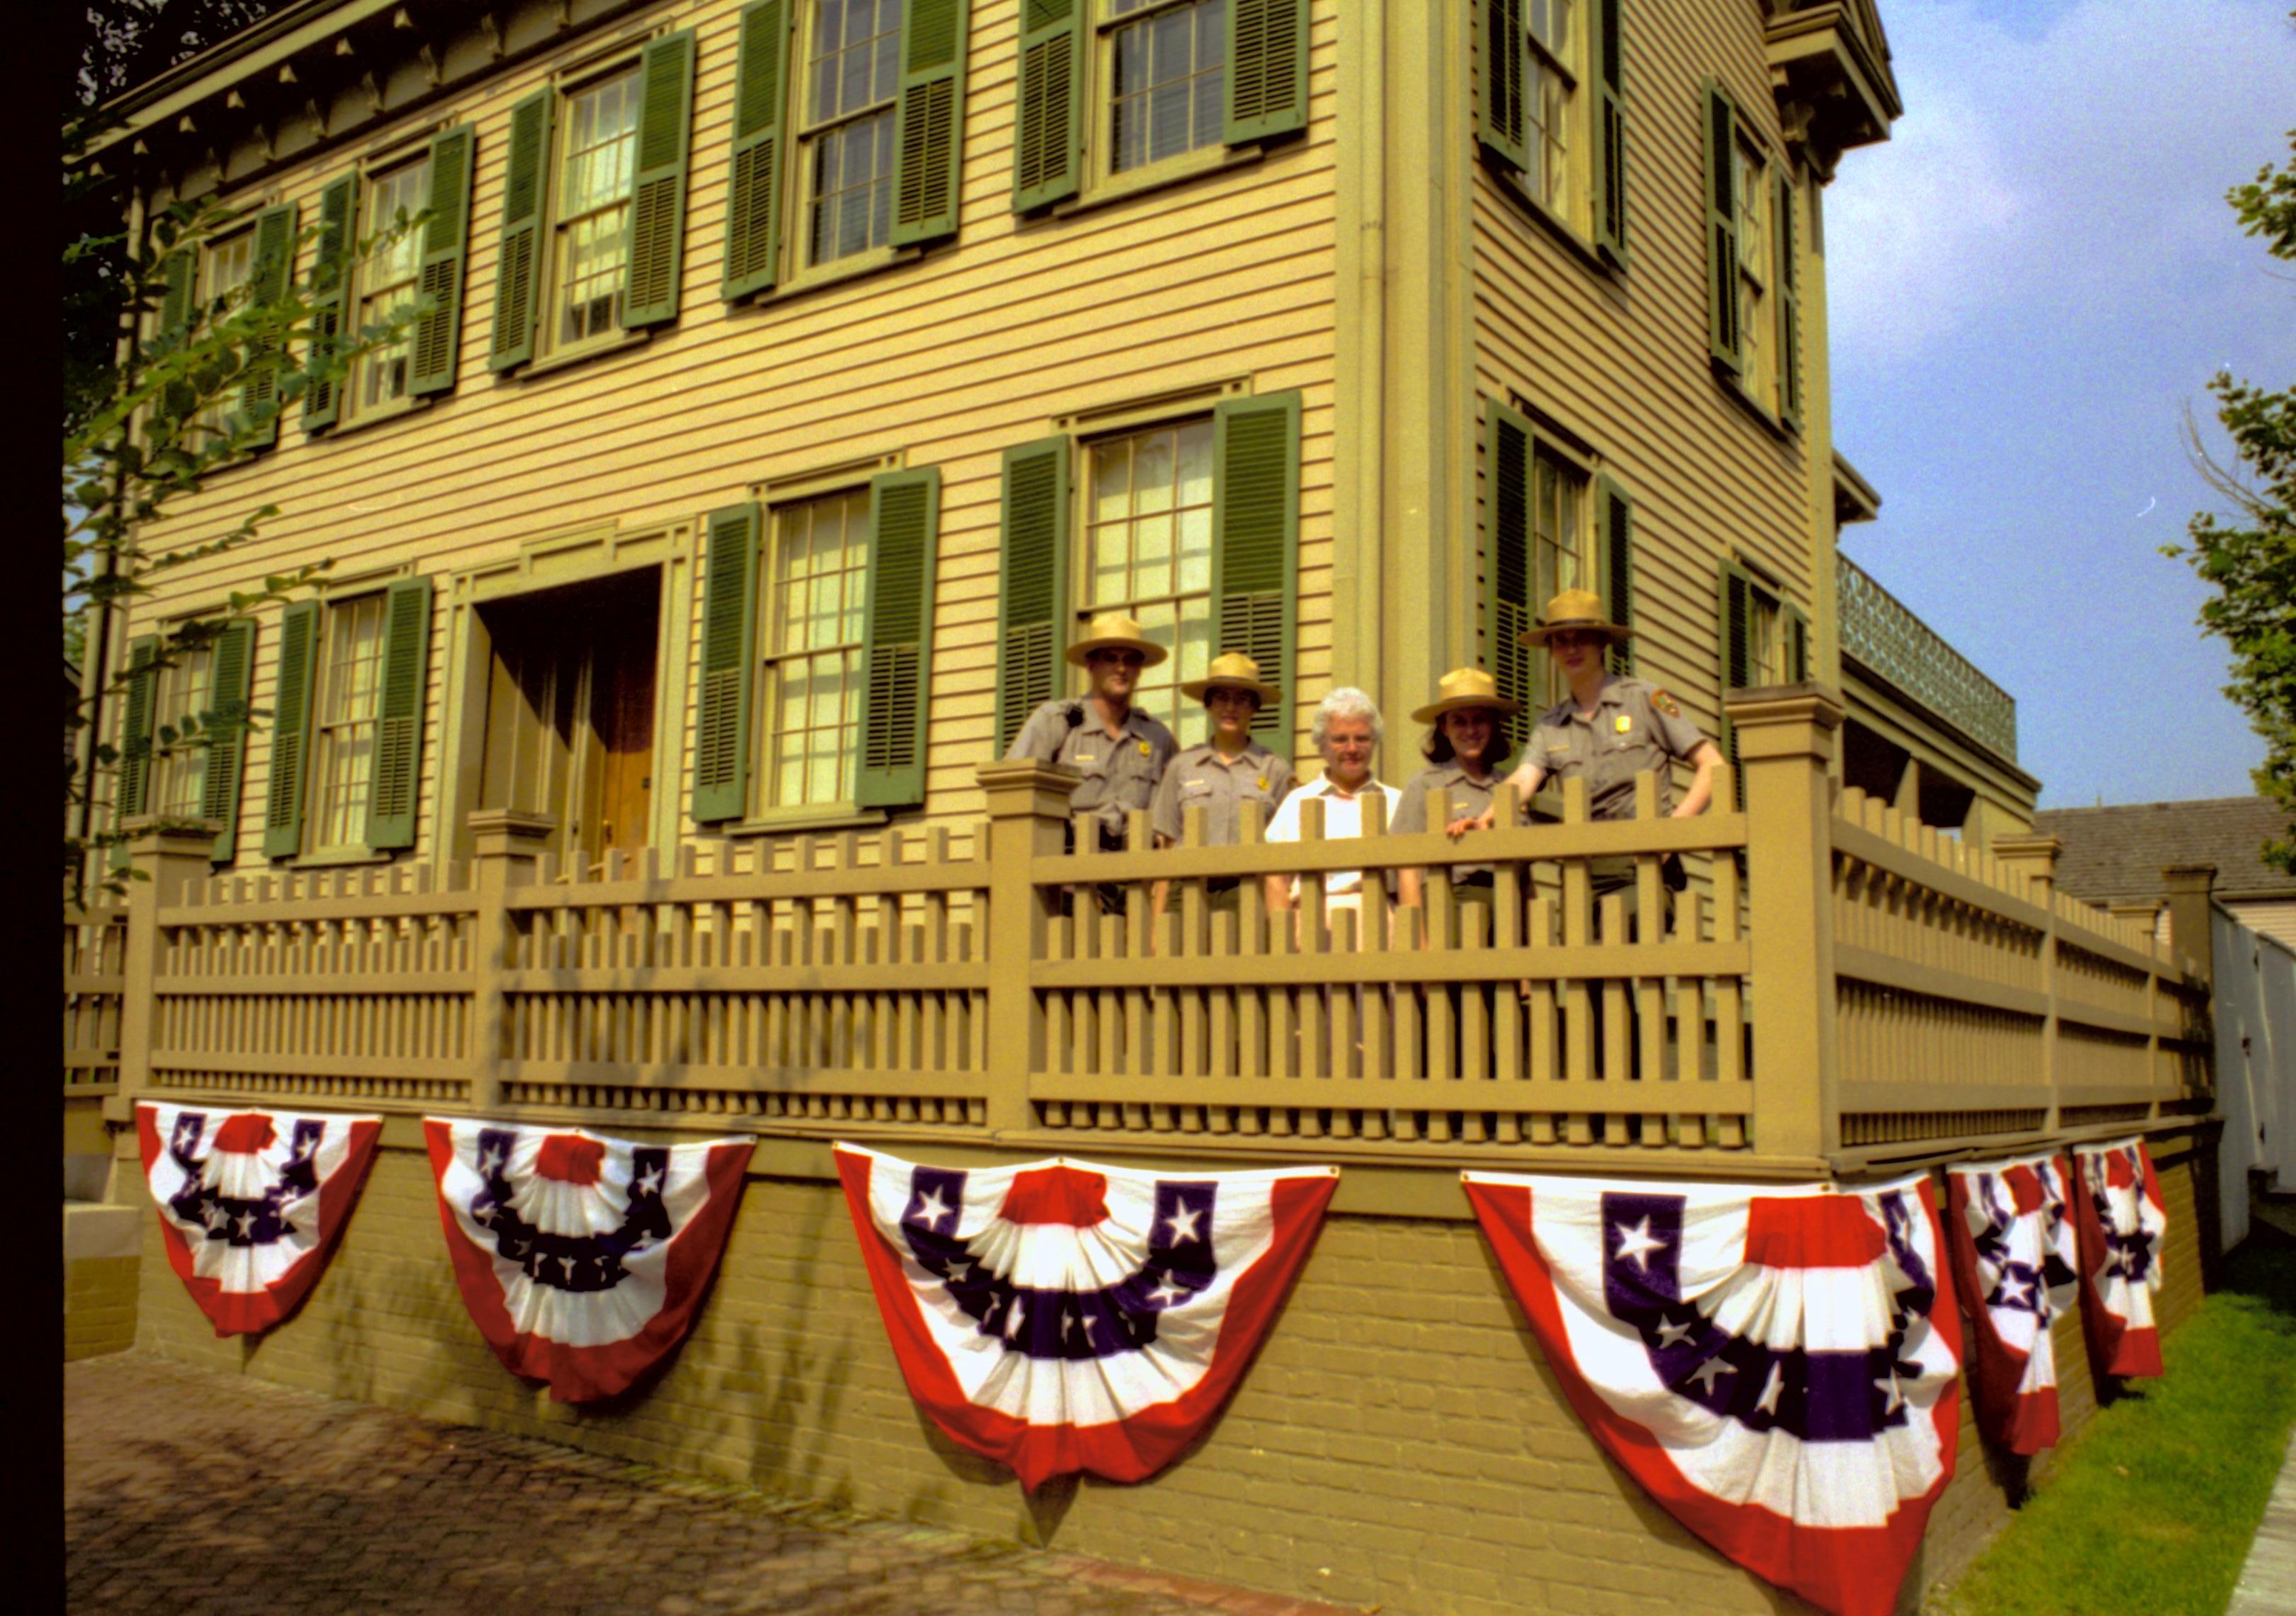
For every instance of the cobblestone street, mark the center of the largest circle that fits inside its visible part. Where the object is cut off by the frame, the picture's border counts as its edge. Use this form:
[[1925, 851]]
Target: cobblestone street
[[204, 1494]]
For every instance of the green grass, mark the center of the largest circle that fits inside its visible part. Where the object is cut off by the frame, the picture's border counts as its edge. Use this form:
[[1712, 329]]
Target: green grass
[[2151, 1509]]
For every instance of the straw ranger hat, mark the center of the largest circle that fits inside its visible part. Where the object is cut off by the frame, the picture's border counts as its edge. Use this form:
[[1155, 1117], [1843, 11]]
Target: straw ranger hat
[[1576, 609], [1233, 671], [1466, 687], [1114, 631]]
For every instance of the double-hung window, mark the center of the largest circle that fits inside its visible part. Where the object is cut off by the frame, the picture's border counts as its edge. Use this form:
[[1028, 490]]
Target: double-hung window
[[851, 86], [226, 265], [1550, 524], [1551, 113], [1753, 317], [179, 773], [816, 652], [183, 730], [343, 724], [347, 734], [1119, 92], [1188, 525], [387, 281], [594, 206]]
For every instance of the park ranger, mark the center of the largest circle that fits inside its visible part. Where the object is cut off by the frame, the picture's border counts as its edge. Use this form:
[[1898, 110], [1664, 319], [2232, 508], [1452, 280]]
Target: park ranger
[[1121, 750], [1224, 772]]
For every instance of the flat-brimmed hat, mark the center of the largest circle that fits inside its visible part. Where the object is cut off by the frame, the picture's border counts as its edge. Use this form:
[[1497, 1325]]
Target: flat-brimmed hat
[[1114, 631], [1232, 671], [1578, 610], [1466, 687]]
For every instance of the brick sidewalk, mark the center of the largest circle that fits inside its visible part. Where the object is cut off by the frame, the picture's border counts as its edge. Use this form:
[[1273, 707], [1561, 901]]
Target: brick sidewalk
[[213, 1495]]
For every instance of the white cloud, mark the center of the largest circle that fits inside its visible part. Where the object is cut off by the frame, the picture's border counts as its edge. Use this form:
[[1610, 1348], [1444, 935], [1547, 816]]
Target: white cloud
[[2060, 173]]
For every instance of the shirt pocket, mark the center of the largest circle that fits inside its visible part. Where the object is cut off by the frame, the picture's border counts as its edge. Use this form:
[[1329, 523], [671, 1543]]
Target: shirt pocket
[[1195, 790]]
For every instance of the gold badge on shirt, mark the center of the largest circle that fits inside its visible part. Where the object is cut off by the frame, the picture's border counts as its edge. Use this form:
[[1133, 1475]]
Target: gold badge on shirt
[[1143, 749], [1626, 722]]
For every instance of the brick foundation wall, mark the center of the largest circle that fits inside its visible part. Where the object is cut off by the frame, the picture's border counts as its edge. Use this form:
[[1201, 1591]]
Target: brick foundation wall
[[1400, 1441]]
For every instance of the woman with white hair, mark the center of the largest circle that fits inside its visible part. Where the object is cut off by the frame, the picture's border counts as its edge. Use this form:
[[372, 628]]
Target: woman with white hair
[[1346, 732]]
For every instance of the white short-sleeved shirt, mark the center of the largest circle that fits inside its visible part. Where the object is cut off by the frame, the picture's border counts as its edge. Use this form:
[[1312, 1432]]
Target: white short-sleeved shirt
[[1343, 816]]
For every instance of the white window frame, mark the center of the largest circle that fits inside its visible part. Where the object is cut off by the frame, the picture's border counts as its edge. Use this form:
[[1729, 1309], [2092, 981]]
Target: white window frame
[[548, 343], [773, 656]]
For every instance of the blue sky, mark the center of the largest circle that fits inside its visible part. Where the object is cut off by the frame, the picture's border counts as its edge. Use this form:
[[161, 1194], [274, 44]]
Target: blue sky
[[2029, 284]]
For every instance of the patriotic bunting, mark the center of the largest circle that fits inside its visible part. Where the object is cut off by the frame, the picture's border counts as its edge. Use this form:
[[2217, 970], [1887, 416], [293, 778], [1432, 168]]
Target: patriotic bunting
[[2012, 1234], [581, 1259], [2121, 1222], [1776, 1367], [1066, 1316], [251, 1202]]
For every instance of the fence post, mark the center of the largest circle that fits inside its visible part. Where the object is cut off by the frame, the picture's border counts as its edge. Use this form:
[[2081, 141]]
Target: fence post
[[505, 845], [1785, 739], [2189, 889], [2034, 857], [1027, 813], [167, 859]]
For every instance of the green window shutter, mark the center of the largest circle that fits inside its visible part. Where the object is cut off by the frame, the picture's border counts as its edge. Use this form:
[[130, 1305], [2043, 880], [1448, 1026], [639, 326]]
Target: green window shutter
[[234, 669], [330, 297], [179, 271], [398, 716], [729, 615], [1734, 609], [1797, 644], [1267, 69], [1032, 599], [135, 726], [657, 193], [753, 193], [1048, 109], [1608, 149], [1789, 303], [1256, 544], [438, 336], [1499, 70], [290, 730], [1722, 229], [1508, 610], [930, 133], [274, 262], [517, 259], [1614, 554], [904, 538]]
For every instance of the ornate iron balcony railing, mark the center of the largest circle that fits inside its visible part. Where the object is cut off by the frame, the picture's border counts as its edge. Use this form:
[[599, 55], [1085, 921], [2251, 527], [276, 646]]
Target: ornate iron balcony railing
[[1879, 630]]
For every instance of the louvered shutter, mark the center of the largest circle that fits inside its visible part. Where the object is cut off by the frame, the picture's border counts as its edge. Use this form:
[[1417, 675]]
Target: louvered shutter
[[904, 538], [438, 336], [1614, 538], [274, 262], [290, 730], [1256, 544], [1789, 303], [1735, 607], [1797, 645], [1032, 599], [658, 193], [398, 716], [930, 134], [729, 613], [753, 199], [1499, 68], [1508, 610], [330, 297], [1048, 113], [1609, 145], [1267, 69], [233, 669], [1722, 229], [135, 726], [518, 257], [179, 273]]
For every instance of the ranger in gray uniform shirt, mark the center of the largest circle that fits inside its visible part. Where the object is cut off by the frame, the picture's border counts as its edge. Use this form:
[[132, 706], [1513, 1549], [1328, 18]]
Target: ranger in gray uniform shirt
[[1121, 752], [1219, 778], [1465, 748]]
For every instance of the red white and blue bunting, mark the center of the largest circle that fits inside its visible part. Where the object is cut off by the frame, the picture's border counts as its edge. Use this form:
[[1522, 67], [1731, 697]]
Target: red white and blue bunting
[[251, 1202], [581, 1259], [1776, 1367], [1066, 1316], [2117, 1210], [2011, 1229]]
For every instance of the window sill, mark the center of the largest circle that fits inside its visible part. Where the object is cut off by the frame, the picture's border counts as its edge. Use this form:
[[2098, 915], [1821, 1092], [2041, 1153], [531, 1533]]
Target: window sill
[[328, 861], [534, 370], [1173, 171], [361, 423], [1752, 405], [838, 275], [1566, 235], [813, 816]]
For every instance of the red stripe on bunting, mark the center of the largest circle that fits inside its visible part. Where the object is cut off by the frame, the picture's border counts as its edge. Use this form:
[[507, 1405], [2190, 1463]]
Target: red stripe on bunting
[[2114, 1347], [2022, 1422], [1840, 1568]]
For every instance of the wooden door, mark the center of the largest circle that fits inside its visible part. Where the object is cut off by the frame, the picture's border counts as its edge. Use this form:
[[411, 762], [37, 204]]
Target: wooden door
[[622, 686]]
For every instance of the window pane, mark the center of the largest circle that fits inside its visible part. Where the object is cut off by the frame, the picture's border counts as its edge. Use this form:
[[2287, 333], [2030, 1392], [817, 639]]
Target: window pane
[[816, 573], [1167, 83]]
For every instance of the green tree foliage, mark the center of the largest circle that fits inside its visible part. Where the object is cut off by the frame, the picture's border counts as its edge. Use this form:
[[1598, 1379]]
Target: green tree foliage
[[2250, 556]]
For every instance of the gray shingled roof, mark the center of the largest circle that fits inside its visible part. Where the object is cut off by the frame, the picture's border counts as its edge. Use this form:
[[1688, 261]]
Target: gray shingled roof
[[2115, 853]]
